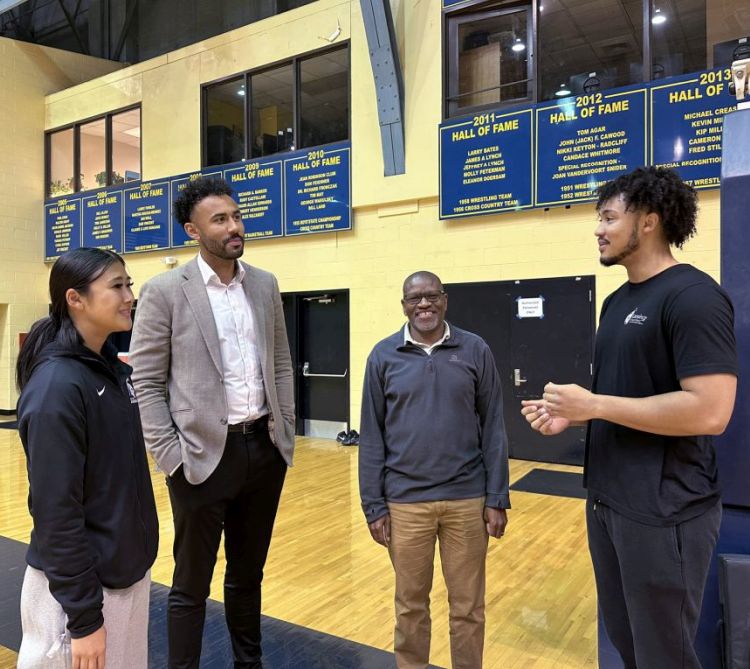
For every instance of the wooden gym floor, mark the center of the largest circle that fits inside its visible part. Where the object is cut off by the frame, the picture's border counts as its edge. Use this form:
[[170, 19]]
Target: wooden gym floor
[[325, 573]]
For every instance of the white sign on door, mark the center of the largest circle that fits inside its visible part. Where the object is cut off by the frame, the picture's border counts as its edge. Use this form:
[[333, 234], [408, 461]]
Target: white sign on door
[[530, 307]]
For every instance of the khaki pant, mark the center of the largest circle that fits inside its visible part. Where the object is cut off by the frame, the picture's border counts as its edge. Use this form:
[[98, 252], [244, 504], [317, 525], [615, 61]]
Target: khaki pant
[[46, 641], [460, 528]]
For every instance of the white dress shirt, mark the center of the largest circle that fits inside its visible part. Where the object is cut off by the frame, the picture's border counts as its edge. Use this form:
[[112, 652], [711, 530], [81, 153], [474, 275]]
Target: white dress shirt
[[235, 325], [427, 348]]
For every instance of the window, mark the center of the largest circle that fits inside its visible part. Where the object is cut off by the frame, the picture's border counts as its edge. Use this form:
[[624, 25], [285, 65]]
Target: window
[[225, 122], [292, 105], [585, 47], [92, 154], [696, 35], [489, 62], [727, 31], [582, 46], [324, 98], [126, 146], [60, 154], [272, 107], [93, 143]]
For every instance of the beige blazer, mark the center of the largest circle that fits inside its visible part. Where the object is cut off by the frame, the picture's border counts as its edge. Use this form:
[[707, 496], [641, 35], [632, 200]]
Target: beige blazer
[[177, 369]]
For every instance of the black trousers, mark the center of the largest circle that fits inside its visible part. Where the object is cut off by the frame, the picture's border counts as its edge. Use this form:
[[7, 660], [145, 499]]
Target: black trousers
[[241, 498], [650, 583]]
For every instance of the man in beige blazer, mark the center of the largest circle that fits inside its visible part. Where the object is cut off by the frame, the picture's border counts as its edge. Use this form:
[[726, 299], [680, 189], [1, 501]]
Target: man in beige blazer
[[213, 374]]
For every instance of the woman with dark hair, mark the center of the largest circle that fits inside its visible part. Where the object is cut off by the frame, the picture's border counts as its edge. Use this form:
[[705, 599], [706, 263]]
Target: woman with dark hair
[[84, 601]]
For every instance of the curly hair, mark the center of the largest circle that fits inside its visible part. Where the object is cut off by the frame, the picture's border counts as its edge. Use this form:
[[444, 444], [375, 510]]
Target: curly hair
[[195, 191], [657, 190]]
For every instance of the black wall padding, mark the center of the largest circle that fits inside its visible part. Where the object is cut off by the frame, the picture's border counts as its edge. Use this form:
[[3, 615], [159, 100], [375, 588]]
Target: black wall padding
[[734, 594]]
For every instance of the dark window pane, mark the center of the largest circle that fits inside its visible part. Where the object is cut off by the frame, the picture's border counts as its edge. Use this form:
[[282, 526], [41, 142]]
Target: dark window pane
[[727, 31], [324, 98], [492, 54], [126, 146], [587, 45], [272, 118], [678, 37], [61, 163], [93, 155], [225, 122]]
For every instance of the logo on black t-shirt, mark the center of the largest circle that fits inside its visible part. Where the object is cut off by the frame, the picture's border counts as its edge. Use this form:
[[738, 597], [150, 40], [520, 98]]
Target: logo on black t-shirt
[[635, 319]]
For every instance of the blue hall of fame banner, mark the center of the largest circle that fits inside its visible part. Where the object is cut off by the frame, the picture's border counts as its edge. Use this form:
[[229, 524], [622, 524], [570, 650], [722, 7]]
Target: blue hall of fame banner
[[258, 191], [318, 190], [584, 141], [62, 226], [147, 217], [179, 237], [687, 118], [102, 220], [486, 164]]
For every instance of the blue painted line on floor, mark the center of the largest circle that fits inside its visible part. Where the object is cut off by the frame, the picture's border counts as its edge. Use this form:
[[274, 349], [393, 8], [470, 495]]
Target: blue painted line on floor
[[285, 645]]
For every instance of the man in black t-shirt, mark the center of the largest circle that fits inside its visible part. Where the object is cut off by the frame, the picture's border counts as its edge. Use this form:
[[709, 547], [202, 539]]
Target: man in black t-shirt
[[665, 375]]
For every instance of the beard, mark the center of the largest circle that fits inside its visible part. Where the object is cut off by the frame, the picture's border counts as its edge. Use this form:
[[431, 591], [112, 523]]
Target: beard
[[221, 250], [633, 245]]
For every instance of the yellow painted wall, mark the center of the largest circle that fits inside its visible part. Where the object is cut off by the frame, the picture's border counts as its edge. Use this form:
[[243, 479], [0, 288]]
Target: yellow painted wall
[[27, 74], [396, 226]]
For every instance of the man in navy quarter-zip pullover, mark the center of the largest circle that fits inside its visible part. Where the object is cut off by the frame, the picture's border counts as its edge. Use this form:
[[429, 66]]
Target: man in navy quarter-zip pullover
[[433, 464]]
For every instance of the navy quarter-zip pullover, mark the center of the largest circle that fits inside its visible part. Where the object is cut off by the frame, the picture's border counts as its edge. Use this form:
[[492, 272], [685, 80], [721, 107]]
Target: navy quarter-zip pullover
[[432, 425]]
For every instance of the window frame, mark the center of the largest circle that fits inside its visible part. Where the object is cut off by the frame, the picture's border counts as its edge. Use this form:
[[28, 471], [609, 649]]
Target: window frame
[[76, 127], [247, 76], [451, 23]]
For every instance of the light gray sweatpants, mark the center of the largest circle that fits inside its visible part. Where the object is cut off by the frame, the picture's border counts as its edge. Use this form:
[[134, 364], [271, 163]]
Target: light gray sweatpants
[[46, 640]]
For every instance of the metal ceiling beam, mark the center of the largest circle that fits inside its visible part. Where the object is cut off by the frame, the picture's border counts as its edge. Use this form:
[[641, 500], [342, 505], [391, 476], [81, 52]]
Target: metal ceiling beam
[[125, 30], [71, 19], [389, 87]]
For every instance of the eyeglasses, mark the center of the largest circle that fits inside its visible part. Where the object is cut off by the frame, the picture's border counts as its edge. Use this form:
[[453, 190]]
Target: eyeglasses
[[414, 300]]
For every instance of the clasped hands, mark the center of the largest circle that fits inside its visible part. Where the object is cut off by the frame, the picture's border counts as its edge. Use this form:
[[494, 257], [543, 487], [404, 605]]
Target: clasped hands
[[559, 406]]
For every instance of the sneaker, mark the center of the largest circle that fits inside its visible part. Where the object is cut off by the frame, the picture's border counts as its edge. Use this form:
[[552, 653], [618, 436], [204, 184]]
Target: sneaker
[[341, 436], [352, 439]]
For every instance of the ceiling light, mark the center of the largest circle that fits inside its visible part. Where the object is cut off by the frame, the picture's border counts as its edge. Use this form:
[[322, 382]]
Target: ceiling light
[[562, 91], [241, 91], [658, 18], [518, 45]]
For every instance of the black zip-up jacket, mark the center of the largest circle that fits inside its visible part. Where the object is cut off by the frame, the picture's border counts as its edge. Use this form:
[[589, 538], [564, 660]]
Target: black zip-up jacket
[[90, 494]]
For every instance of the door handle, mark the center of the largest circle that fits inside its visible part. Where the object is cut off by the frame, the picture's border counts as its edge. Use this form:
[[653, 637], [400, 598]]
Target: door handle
[[517, 380], [306, 372]]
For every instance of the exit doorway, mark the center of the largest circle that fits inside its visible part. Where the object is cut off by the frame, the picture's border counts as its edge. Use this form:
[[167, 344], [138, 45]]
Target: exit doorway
[[539, 330], [318, 330]]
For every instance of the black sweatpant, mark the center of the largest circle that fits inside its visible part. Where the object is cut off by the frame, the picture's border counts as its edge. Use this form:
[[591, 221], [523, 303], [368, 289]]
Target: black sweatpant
[[240, 497], [650, 582]]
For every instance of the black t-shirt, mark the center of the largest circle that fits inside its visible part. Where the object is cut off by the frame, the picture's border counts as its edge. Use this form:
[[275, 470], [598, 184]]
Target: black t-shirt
[[675, 325]]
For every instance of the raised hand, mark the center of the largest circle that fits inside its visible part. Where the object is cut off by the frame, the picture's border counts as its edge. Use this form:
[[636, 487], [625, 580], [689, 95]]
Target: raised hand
[[536, 415]]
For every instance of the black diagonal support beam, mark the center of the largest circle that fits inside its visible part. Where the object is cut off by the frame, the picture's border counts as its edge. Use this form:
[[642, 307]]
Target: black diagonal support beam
[[71, 19], [125, 29], [389, 86]]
